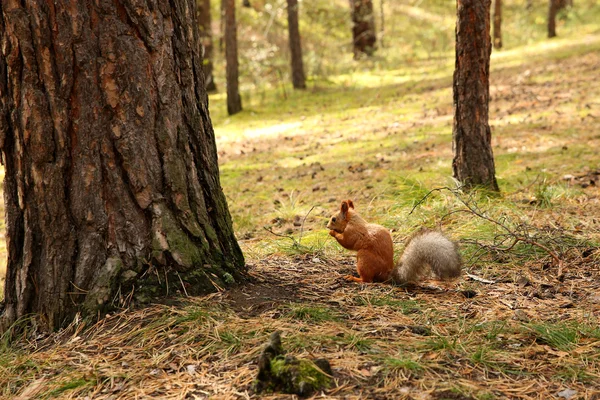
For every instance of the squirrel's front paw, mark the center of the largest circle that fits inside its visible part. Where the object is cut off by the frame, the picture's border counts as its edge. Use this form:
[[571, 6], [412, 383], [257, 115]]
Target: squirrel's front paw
[[350, 278], [332, 232]]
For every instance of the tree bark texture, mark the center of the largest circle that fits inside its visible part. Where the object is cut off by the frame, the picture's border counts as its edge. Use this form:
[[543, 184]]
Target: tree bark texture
[[298, 78], [473, 163], [498, 24], [363, 28], [205, 25], [234, 101], [112, 188]]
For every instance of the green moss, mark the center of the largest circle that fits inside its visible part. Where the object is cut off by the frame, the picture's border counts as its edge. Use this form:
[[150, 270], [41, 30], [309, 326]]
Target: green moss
[[169, 237], [103, 287], [297, 373]]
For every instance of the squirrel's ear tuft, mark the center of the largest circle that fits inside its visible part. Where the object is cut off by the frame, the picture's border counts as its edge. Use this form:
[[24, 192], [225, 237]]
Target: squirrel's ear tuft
[[344, 207], [350, 204]]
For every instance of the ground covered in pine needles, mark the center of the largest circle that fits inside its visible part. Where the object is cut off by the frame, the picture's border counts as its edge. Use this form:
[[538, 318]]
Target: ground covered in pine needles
[[522, 322], [527, 336]]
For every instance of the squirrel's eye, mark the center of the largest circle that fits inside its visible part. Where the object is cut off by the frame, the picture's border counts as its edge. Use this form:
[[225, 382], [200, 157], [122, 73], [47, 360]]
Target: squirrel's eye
[[333, 219]]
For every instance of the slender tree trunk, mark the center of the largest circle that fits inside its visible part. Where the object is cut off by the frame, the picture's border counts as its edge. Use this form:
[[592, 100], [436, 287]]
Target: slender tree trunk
[[205, 25], [112, 186], [298, 78], [363, 28], [552, 11], [498, 24], [473, 163], [554, 7], [381, 22], [234, 101]]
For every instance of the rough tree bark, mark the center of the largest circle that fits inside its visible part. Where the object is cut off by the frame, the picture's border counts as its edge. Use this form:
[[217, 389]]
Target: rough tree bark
[[234, 101], [363, 28], [112, 186], [298, 78], [473, 163], [205, 25], [498, 24]]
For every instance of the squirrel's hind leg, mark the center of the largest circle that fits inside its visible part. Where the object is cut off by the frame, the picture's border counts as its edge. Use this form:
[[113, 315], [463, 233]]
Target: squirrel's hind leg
[[352, 278]]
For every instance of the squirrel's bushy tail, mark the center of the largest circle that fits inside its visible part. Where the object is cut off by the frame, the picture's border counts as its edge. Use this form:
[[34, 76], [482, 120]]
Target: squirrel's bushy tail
[[428, 251]]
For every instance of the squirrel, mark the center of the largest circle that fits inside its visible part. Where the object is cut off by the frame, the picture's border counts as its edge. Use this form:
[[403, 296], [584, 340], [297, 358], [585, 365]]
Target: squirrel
[[426, 250]]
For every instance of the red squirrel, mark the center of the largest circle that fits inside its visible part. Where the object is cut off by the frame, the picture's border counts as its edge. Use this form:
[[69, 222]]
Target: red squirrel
[[425, 251]]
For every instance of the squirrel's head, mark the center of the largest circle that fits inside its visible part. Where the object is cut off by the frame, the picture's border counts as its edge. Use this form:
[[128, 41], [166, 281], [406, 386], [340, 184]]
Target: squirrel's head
[[339, 221]]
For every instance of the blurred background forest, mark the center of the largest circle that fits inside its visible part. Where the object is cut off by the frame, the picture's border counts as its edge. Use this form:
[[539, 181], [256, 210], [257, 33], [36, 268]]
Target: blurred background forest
[[417, 33]]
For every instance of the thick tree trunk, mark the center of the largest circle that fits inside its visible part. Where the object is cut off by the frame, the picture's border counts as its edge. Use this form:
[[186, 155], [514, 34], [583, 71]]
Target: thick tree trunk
[[363, 28], [205, 25], [298, 78], [498, 24], [473, 163], [234, 101], [112, 186]]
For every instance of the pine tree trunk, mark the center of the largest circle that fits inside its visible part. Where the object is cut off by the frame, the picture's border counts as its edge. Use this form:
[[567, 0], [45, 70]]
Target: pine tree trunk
[[234, 101], [473, 163], [363, 28], [298, 78], [554, 7], [498, 24], [205, 25], [552, 11], [112, 186]]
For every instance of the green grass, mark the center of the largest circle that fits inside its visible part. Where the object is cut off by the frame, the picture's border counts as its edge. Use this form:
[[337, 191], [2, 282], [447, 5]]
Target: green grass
[[560, 336], [69, 385], [313, 314], [406, 365]]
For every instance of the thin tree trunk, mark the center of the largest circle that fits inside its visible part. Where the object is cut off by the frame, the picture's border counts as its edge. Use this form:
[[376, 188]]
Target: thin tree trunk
[[552, 11], [498, 24], [298, 78], [205, 25], [363, 28], [381, 22], [112, 186], [473, 163], [234, 101], [554, 7]]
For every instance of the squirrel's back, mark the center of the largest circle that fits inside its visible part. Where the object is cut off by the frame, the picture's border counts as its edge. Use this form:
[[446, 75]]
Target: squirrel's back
[[428, 250]]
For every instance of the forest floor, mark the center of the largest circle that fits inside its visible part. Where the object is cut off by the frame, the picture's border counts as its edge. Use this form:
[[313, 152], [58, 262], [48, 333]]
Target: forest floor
[[518, 324]]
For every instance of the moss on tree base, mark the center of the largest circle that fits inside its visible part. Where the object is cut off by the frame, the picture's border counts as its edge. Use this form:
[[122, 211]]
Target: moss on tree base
[[278, 372]]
